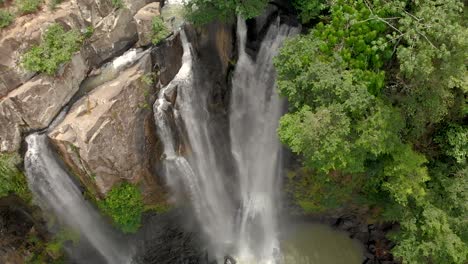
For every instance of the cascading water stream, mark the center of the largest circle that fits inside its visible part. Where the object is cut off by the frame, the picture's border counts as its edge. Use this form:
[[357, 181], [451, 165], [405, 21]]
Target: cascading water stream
[[198, 174], [56, 192], [245, 228], [254, 113]]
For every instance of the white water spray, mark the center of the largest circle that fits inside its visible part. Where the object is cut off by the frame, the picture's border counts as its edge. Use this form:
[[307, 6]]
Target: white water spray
[[56, 193], [54, 189], [245, 228]]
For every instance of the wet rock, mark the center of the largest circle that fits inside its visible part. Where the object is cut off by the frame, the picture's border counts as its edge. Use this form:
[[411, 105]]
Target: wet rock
[[166, 239], [104, 135], [229, 260], [167, 58], [34, 104], [18, 222], [143, 20]]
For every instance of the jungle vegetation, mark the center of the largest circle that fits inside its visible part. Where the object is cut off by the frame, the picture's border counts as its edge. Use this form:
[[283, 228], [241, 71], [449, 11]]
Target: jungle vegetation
[[377, 115]]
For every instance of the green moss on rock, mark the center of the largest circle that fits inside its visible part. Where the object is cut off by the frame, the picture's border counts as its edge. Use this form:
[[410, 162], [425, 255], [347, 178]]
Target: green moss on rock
[[124, 204]]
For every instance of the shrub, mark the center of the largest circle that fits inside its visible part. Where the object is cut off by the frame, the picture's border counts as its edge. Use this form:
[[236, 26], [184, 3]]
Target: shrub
[[50, 251], [117, 3], [88, 32], [5, 18], [159, 208], [203, 11], [56, 48], [309, 9], [12, 180], [124, 204], [53, 4], [159, 29], [27, 6]]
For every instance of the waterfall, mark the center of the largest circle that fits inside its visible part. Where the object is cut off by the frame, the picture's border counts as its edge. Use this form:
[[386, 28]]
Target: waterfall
[[238, 222], [254, 113], [198, 174], [56, 193]]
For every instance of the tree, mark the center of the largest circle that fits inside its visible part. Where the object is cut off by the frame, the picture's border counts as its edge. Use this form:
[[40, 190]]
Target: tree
[[203, 11], [369, 88]]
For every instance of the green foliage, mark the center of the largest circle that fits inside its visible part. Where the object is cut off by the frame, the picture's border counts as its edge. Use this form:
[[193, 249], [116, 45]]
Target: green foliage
[[368, 89], [27, 6], [159, 30], [50, 251], [12, 180], [159, 208], [56, 48], [53, 4], [406, 175], [148, 79], [455, 143], [5, 18], [309, 9], [203, 11], [54, 248], [88, 32], [117, 3], [124, 204], [317, 192], [432, 61], [428, 237]]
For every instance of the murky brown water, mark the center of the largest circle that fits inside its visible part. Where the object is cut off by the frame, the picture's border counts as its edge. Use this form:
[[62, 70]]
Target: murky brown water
[[308, 243]]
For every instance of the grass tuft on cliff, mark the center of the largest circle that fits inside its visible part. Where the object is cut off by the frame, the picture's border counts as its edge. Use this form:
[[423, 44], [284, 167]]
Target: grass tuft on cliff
[[56, 48], [5, 18], [160, 31], [118, 3], [27, 6], [12, 180], [124, 204]]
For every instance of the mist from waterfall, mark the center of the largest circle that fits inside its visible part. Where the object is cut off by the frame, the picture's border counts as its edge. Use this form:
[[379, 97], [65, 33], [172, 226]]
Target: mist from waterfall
[[198, 173], [56, 193], [239, 222], [254, 114]]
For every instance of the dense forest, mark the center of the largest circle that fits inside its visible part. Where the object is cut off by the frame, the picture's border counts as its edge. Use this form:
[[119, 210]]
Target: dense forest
[[378, 114]]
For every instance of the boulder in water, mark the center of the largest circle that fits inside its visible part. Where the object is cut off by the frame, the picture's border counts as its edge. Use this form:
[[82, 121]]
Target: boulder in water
[[229, 260]]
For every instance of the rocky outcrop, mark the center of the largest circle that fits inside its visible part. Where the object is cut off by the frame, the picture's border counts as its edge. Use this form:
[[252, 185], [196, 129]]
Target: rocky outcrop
[[135, 5], [104, 136], [167, 59], [24, 33], [29, 102], [19, 222], [34, 104], [144, 19], [373, 236], [358, 224], [112, 35]]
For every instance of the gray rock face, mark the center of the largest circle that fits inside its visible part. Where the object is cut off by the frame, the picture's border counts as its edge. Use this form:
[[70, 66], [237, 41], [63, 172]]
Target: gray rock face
[[143, 20], [28, 104], [105, 136], [135, 5], [34, 104], [22, 35], [167, 58], [112, 35]]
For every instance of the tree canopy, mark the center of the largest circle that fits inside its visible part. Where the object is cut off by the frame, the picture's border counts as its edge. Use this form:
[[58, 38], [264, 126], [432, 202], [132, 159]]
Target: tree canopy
[[378, 110], [377, 94]]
